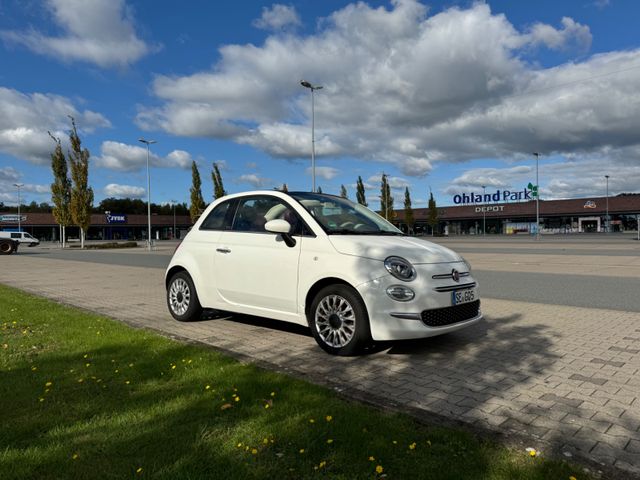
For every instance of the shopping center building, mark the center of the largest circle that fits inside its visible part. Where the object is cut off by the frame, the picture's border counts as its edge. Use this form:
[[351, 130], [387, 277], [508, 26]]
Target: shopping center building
[[556, 216], [107, 226]]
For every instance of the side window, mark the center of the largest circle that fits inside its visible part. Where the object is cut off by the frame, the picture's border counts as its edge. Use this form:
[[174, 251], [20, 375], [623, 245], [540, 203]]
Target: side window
[[254, 212], [218, 218], [16, 235]]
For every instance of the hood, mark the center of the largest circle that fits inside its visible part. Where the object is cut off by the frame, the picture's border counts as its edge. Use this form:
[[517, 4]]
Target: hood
[[415, 250]]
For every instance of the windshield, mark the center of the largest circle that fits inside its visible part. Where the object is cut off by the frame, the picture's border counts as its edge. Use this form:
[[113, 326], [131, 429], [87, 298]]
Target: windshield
[[339, 216]]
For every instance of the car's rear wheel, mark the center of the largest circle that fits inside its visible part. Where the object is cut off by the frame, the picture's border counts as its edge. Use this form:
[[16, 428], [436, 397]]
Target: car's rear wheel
[[182, 298], [339, 321]]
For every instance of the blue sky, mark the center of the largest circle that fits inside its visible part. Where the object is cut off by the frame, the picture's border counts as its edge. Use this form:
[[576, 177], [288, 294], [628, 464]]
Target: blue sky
[[442, 96]]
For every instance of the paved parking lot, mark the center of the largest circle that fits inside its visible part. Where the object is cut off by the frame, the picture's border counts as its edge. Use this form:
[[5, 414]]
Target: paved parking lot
[[562, 376]]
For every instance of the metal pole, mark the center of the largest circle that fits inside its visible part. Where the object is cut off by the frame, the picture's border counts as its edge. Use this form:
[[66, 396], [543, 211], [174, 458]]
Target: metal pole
[[148, 142], [537, 198], [484, 211], [312, 87], [18, 186], [174, 218], [607, 223]]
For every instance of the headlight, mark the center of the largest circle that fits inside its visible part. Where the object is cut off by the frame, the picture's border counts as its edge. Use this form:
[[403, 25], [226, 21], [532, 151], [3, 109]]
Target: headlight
[[400, 268]]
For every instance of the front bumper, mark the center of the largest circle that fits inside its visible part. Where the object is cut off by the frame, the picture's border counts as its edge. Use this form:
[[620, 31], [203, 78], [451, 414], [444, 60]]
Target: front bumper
[[393, 320]]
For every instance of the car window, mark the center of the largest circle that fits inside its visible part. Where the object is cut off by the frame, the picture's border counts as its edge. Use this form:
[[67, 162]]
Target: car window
[[16, 235], [219, 218], [254, 212]]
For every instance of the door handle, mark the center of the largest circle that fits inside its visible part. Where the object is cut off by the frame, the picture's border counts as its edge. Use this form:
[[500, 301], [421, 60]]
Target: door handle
[[223, 250]]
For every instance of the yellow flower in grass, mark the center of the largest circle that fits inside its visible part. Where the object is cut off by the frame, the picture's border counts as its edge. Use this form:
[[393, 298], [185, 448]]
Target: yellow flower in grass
[[302, 450], [208, 387], [273, 394], [41, 399], [328, 418], [237, 399], [311, 420], [127, 382], [75, 456], [412, 446], [330, 441], [266, 405], [239, 445], [33, 369], [372, 458], [265, 441], [532, 452], [48, 384], [572, 478], [379, 469], [139, 470], [254, 451]]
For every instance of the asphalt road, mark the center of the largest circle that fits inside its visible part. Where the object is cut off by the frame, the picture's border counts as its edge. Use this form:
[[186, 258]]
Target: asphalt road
[[572, 290]]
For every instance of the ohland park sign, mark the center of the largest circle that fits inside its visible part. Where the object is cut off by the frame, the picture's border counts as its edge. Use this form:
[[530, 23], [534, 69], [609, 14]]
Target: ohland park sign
[[528, 193]]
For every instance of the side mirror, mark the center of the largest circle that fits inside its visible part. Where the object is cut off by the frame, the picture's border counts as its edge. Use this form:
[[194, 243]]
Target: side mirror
[[283, 228], [277, 226]]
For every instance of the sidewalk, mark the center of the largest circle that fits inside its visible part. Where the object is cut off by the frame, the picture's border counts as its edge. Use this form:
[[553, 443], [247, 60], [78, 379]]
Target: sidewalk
[[561, 376]]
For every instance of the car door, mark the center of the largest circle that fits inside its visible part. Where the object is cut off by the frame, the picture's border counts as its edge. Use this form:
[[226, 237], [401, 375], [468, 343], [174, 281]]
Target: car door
[[255, 268]]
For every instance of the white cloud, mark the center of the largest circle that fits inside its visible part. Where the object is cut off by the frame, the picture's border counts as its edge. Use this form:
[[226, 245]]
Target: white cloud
[[9, 174], [97, 31], [326, 173], [26, 118], [124, 191], [278, 17], [396, 183], [254, 180], [413, 90], [128, 158]]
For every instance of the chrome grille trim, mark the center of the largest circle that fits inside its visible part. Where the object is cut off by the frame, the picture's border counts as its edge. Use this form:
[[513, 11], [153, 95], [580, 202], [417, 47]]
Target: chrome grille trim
[[451, 288]]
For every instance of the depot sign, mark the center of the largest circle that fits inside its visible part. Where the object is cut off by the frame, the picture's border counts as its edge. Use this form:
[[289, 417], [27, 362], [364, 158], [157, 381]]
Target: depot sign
[[498, 196]]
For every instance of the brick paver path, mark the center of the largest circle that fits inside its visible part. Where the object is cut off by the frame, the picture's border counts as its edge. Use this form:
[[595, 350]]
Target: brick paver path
[[562, 376]]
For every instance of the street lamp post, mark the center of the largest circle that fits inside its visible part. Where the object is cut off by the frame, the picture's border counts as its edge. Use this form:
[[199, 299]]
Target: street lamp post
[[313, 88], [19, 186], [484, 211], [148, 142], [537, 155], [608, 223]]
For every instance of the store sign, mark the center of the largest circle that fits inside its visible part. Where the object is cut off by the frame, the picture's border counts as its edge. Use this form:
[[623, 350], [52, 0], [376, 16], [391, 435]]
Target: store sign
[[115, 218], [497, 196], [490, 208], [13, 218], [589, 204]]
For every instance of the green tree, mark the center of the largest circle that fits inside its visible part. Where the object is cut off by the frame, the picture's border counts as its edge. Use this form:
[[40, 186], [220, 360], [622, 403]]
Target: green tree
[[284, 188], [319, 189], [60, 189], [218, 187], [386, 199], [343, 191], [409, 218], [360, 192], [433, 214], [81, 193], [197, 202]]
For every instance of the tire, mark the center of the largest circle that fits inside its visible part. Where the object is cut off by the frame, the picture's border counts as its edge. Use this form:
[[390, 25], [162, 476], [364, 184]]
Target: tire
[[182, 298], [6, 248], [339, 321]]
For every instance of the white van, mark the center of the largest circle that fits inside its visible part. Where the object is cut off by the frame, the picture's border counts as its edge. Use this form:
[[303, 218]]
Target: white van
[[23, 238]]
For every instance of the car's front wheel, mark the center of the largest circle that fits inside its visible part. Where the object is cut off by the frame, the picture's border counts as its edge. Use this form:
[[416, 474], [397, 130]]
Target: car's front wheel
[[182, 298], [339, 321]]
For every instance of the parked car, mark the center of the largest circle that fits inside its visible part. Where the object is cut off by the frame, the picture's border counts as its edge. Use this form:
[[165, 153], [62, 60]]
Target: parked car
[[22, 238], [8, 246], [322, 261]]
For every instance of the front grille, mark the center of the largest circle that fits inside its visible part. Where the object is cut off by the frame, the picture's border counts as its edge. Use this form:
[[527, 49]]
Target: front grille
[[439, 317]]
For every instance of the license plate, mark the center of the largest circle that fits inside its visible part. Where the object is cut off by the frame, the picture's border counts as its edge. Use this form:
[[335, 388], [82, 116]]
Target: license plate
[[463, 296]]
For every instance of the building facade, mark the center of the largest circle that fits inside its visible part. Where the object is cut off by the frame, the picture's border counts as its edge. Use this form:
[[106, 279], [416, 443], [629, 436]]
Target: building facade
[[576, 215], [107, 226]]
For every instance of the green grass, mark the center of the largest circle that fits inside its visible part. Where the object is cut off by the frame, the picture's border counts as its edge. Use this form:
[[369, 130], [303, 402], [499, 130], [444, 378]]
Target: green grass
[[121, 399]]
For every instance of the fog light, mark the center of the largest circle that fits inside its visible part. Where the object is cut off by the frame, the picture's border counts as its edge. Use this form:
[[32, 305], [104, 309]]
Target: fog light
[[400, 293]]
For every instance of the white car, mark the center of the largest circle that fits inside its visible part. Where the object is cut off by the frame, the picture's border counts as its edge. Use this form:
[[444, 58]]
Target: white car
[[21, 238], [322, 261]]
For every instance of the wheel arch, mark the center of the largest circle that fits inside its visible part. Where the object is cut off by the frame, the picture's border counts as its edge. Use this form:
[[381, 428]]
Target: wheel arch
[[171, 272], [325, 282]]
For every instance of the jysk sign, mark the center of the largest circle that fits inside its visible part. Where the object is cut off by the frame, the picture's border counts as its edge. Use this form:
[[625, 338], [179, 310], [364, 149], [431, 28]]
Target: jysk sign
[[13, 218], [115, 218], [498, 196]]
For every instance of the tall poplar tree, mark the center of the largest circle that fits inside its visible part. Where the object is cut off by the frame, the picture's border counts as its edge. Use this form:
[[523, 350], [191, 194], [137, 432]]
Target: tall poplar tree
[[433, 213], [319, 189], [81, 193], [409, 218], [360, 192], [218, 187], [60, 189], [343, 191], [386, 199], [197, 202]]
